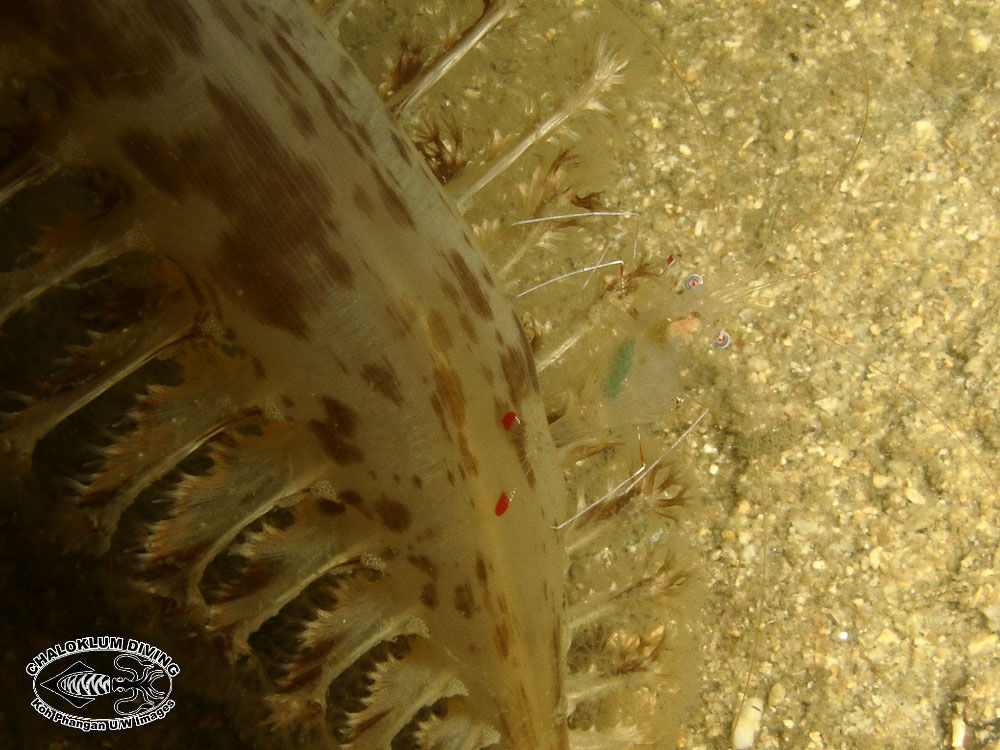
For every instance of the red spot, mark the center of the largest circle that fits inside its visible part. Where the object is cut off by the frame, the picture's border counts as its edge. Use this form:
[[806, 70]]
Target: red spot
[[503, 502], [671, 259], [508, 420]]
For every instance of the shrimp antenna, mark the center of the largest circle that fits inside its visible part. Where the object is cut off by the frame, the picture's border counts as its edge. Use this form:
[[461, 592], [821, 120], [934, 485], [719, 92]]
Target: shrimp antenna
[[695, 104]]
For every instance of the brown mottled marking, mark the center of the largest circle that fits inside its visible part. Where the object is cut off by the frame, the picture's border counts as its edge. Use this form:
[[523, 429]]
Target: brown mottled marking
[[481, 569], [448, 388], [517, 371], [429, 595], [448, 402], [488, 374], [431, 532], [362, 133], [465, 602], [470, 285], [501, 639], [178, 22], [398, 320], [424, 564], [329, 105], [282, 28], [151, 155], [438, 407], [336, 431], [353, 142], [330, 507], [292, 54], [290, 91], [248, 7], [401, 148], [351, 497], [382, 377], [394, 203], [468, 328], [362, 200], [228, 20], [82, 35], [281, 196], [286, 195], [440, 336], [277, 64], [303, 120], [339, 93], [450, 292], [394, 515]]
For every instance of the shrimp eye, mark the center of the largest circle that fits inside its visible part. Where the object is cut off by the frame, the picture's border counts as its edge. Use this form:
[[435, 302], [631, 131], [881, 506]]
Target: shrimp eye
[[723, 340], [693, 281]]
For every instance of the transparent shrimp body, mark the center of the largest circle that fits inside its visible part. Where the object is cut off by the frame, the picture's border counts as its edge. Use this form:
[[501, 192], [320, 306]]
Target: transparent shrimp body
[[633, 367]]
